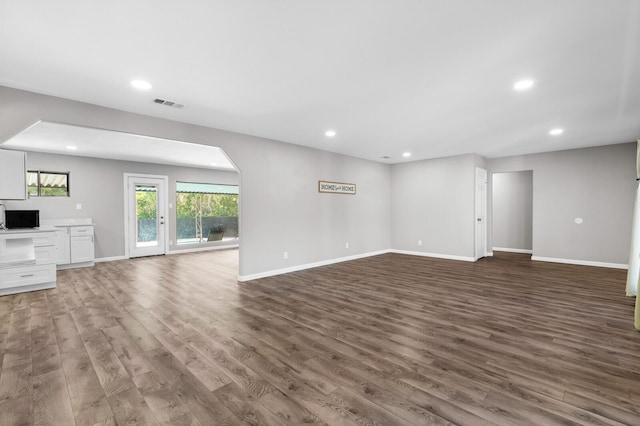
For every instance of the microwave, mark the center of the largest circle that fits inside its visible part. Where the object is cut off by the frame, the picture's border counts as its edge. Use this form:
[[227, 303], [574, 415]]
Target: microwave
[[17, 219]]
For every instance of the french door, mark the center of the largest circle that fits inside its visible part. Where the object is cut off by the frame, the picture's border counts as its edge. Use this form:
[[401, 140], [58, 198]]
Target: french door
[[146, 215]]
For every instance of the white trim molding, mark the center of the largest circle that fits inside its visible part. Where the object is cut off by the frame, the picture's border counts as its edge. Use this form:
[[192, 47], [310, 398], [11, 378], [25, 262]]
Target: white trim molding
[[243, 278], [436, 255], [513, 250], [110, 259], [191, 250], [163, 209], [581, 262], [197, 249]]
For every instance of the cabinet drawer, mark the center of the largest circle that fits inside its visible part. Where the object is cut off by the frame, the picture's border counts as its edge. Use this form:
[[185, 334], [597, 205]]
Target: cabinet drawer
[[81, 231], [45, 255], [44, 239], [27, 275]]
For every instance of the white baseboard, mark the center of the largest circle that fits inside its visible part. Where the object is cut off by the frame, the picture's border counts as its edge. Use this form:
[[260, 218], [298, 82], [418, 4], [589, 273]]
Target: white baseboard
[[243, 278], [581, 262], [75, 265], [513, 250], [193, 250], [110, 259], [437, 255]]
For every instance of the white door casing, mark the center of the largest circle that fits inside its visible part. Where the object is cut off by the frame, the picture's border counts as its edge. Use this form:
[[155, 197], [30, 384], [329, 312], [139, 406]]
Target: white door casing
[[481, 214], [135, 246]]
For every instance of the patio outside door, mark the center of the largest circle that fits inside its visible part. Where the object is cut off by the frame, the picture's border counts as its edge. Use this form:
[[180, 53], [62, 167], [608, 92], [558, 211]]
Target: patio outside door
[[146, 215]]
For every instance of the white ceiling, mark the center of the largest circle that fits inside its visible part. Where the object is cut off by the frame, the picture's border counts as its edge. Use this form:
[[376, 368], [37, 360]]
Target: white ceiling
[[56, 138], [432, 77]]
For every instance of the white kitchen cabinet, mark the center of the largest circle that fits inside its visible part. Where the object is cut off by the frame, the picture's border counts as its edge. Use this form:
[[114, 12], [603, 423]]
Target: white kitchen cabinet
[[13, 175], [27, 260], [74, 242], [82, 245]]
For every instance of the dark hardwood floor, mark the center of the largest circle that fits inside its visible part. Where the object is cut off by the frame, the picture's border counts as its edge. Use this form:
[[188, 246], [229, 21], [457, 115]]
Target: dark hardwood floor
[[386, 340]]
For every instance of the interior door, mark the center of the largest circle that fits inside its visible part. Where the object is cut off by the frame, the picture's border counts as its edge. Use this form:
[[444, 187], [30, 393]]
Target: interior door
[[146, 215], [481, 213]]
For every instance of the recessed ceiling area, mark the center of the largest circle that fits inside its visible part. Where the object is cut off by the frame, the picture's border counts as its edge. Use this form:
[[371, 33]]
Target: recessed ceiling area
[[56, 138], [431, 77]]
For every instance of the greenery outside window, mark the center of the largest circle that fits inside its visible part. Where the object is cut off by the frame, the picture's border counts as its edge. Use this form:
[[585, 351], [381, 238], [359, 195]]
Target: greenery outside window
[[47, 184], [206, 212]]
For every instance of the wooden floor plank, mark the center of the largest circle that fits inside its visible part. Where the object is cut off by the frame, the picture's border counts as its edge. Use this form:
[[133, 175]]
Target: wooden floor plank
[[391, 339], [130, 408], [162, 400], [88, 400], [51, 403], [17, 411]]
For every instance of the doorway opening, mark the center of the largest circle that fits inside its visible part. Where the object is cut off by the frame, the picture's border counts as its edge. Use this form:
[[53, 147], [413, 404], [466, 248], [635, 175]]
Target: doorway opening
[[102, 157], [512, 212]]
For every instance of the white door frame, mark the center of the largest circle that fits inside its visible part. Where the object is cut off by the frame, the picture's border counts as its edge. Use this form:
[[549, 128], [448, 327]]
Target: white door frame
[[480, 216], [163, 209]]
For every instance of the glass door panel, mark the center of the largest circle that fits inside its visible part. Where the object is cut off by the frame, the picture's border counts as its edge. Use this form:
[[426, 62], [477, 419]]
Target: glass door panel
[[146, 216]]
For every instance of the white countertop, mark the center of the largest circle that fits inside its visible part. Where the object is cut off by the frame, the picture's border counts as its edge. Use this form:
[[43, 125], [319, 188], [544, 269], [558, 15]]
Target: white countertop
[[46, 228], [84, 221]]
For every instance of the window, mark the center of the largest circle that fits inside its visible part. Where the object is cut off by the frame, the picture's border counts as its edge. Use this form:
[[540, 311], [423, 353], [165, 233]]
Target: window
[[47, 184], [206, 212]]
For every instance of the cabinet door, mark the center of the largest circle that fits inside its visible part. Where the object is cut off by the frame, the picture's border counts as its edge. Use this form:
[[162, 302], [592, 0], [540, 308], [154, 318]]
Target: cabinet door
[[63, 251], [82, 249], [13, 175]]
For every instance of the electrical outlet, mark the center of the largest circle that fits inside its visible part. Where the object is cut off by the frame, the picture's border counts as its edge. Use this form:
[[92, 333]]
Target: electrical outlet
[[285, 254], [78, 206], [419, 242], [346, 245]]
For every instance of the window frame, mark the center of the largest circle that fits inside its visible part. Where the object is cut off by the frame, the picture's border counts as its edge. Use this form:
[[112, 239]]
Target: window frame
[[204, 240], [39, 184]]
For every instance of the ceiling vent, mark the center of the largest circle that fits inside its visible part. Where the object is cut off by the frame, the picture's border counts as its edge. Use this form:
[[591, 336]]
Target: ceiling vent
[[168, 103]]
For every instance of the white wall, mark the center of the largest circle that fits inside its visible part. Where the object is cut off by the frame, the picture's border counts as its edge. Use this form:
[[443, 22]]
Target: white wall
[[512, 210], [596, 184], [280, 208], [433, 201]]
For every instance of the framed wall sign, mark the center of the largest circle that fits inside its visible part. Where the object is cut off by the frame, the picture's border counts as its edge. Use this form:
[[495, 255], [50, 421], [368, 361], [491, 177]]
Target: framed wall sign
[[336, 187]]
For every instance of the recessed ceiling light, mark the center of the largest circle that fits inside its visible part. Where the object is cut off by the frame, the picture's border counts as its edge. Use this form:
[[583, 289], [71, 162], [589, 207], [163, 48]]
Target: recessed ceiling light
[[214, 164], [523, 85], [71, 147], [406, 154], [141, 84], [330, 133], [556, 132]]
